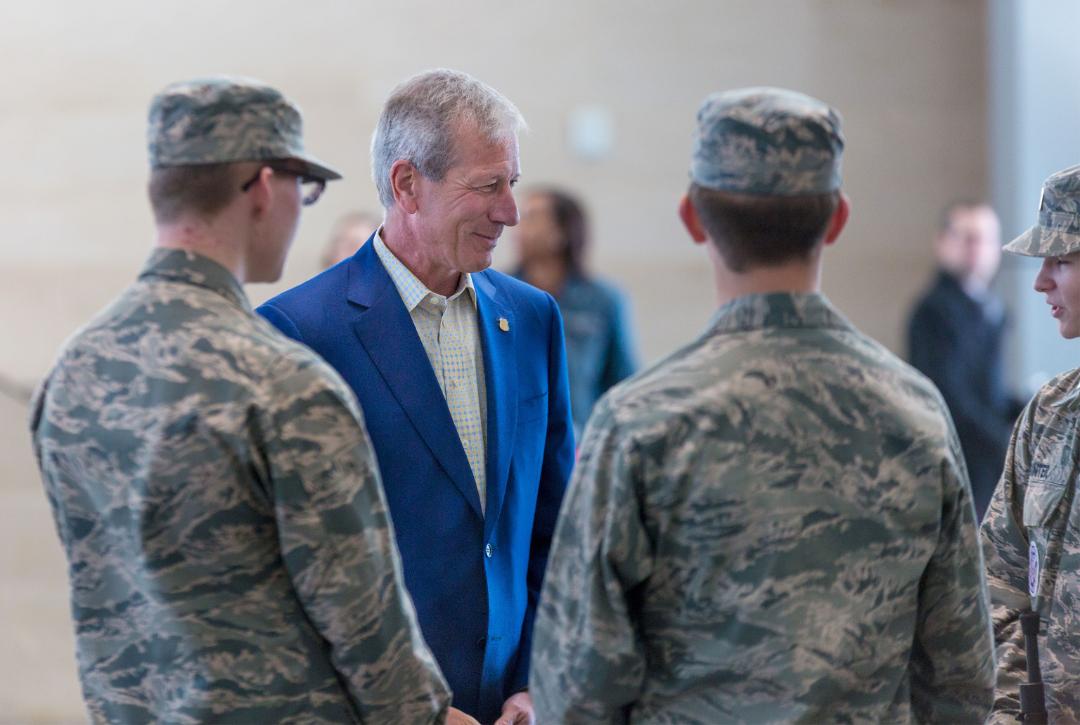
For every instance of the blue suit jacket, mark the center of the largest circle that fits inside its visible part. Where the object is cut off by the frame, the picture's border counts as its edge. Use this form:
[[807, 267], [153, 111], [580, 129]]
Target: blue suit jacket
[[474, 579]]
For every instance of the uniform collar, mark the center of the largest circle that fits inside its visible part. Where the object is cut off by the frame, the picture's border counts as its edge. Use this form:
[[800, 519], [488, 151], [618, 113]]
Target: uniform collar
[[179, 265], [778, 310]]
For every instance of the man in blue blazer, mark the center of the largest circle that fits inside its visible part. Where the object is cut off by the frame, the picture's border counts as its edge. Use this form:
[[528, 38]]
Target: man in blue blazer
[[461, 375]]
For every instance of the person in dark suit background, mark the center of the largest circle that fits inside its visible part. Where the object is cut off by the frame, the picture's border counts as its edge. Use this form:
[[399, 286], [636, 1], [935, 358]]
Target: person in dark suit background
[[954, 338], [461, 374]]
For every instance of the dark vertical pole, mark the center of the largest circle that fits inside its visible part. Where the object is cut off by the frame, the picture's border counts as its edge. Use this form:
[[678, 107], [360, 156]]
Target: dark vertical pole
[[1032, 697]]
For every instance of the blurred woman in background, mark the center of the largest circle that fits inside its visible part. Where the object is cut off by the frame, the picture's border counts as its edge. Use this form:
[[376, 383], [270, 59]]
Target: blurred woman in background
[[551, 238]]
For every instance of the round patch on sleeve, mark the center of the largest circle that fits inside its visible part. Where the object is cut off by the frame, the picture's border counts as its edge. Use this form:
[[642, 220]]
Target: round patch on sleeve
[[1033, 570]]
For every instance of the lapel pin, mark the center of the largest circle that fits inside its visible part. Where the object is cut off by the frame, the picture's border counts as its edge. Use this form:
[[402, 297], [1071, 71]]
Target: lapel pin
[[504, 325]]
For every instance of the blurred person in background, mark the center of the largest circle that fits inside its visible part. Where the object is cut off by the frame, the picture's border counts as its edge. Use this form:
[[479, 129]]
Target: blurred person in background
[[955, 336], [1031, 533], [552, 239], [772, 524], [231, 554], [461, 373], [349, 234]]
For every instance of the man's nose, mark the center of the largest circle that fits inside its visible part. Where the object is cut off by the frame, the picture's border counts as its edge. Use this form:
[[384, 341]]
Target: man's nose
[[506, 210]]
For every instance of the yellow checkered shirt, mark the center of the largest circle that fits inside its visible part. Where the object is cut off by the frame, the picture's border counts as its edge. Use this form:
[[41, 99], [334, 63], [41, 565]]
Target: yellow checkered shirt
[[448, 329]]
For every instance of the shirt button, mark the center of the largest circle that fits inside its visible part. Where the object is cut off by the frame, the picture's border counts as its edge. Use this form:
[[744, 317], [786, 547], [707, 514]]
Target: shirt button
[[489, 550]]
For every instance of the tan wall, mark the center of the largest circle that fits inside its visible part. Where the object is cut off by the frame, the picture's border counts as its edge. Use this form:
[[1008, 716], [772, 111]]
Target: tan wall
[[908, 77]]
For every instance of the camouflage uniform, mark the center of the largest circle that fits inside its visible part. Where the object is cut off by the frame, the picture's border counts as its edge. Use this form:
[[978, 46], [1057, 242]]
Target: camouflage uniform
[[1031, 533], [1033, 507], [774, 524], [231, 555]]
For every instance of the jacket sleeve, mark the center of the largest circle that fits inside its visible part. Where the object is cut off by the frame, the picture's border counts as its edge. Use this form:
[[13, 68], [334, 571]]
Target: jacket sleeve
[[589, 659], [952, 665], [1005, 543], [554, 475], [337, 543]]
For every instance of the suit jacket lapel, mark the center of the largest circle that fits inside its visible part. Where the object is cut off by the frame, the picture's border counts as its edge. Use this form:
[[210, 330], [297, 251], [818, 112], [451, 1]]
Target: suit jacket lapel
[[388, 335], [500, 376]]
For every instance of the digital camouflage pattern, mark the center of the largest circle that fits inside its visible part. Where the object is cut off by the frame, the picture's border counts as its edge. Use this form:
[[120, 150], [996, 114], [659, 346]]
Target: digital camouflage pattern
[[231, 556], [1057, 230], [767, 141], [774, 524], [1032, 529], [222, 120]]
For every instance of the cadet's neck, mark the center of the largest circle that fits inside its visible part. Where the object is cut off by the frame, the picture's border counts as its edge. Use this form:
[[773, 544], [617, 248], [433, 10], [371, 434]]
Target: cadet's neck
[[792, 277], [209, 239]]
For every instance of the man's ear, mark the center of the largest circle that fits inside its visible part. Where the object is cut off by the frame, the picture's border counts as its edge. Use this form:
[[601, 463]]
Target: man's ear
[[691, 220], [261, 192], [839, 219], [404, 183]]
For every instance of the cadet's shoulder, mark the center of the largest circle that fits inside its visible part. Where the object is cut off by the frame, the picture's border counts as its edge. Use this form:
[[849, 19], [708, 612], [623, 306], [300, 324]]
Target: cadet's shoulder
[[1060, 395], [297, 373], [895, 394], [686, 381], [877, 365], [286, 357], [186, 324], [755, 371]]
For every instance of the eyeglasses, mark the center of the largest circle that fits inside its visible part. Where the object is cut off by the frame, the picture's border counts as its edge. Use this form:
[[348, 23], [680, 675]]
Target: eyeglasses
[[310, 187]]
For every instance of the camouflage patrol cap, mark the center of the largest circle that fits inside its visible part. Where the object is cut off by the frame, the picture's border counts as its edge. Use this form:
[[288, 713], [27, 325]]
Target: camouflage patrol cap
[[1057, 229], [767, 142], [224, 120]]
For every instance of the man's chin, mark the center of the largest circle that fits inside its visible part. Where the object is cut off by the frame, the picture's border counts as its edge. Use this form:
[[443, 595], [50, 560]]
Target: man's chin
[[479, 264]]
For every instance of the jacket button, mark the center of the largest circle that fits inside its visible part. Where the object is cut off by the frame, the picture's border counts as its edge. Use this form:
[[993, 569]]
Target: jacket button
[[489, 550]]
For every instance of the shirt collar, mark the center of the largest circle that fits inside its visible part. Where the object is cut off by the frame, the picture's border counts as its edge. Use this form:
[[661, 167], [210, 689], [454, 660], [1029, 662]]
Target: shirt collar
[[409, 286], [186, 267], [778, 310]]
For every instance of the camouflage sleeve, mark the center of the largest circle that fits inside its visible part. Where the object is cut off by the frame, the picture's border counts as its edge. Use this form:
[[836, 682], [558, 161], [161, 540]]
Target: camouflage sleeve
[[1005, 544], [588, 659], [338, 546], [952, 668]]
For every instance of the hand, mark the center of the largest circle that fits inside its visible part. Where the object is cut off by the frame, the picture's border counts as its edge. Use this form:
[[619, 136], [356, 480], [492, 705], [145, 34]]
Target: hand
[[457, 717], [518, 710]]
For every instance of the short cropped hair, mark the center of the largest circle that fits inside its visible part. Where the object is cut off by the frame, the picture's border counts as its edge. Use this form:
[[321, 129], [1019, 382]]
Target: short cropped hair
[[753, 231], [422, 116], [202, 190]]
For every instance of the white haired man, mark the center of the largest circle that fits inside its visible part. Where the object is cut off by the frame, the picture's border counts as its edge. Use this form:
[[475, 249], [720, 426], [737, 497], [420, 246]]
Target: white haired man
[[461, 374]]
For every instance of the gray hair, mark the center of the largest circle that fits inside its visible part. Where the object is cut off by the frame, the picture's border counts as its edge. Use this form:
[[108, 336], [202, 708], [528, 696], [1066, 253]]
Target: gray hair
[[422, 115]]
